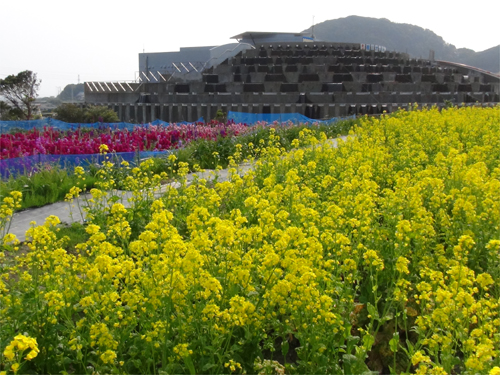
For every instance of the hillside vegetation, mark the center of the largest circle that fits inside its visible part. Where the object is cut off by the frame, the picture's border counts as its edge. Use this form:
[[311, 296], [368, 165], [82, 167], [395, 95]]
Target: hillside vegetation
[[401, 37]]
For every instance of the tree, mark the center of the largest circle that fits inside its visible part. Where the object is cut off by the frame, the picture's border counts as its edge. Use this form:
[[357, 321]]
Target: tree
[[20, 91], [74, 113], [70, 113], [101, 114], [7, 113]]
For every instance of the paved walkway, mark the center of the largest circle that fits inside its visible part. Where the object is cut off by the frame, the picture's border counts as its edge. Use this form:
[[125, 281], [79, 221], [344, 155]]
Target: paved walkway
[[69, 213]]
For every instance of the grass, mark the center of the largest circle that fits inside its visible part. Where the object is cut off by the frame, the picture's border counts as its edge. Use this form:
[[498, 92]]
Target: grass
[[50, 184], [75, 234]]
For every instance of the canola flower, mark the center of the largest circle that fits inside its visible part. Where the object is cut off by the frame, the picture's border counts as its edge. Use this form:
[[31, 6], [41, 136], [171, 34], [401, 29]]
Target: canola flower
[[14, 352], [382, 254]]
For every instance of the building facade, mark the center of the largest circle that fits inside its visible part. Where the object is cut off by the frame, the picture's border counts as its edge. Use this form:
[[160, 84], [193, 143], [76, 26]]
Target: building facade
[[288, 73]]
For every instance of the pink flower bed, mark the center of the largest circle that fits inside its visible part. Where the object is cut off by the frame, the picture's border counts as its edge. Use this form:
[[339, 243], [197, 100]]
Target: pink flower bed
[[51, 141]]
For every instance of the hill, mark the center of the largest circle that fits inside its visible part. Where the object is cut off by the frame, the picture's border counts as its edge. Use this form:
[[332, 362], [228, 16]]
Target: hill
[[73, 92], [402, 37]]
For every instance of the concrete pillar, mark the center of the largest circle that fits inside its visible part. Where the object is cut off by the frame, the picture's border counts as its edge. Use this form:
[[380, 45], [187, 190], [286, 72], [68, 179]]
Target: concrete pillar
[[127, 113], [245, 108], [330, 109], [255, 108], [162, 112], [326, 111], [299, 108], [203, 110], [189, 116], [223, 108], [194, 111], [199, 112], [321, 110], [239, 108], [342, 110], [120, 112], [136, 114], [170, 113], [209, 114], [153, 112], [144, 114], [177, 113], [182, 112], [276, 108]]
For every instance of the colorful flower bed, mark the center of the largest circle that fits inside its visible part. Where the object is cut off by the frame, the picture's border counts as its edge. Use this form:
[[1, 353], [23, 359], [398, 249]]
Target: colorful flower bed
[[82, 141], [382, 254]]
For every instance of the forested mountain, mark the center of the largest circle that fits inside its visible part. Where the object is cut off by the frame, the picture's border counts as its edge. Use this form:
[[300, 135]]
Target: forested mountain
[[72, 92], [401, 37]]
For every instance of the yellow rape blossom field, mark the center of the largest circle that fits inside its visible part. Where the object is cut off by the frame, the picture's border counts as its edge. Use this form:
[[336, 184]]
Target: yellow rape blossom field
[[381, 255]]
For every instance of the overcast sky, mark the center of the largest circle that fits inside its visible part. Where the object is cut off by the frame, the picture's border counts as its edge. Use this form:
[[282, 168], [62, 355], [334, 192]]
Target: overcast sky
[[62, 40]]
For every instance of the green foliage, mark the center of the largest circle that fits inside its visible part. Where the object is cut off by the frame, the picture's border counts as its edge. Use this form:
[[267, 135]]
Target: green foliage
[[70, 113], [208, 154], [7, 113], [20, 91], [220, 116], [76, 114], [50, 184], [100, 114], [73, 234]]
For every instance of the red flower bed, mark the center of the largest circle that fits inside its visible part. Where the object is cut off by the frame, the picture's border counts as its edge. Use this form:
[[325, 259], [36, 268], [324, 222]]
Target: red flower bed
[[51, 141]]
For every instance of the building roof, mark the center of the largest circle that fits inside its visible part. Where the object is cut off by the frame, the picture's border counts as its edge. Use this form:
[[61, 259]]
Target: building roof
[[263, 34]]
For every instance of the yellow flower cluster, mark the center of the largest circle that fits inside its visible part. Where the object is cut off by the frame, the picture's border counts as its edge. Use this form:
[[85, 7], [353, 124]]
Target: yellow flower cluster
[[7, 207], [383, 252], [13, 353]]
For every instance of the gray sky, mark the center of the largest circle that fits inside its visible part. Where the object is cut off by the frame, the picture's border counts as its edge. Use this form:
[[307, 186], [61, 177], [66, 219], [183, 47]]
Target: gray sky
[[100, 40]]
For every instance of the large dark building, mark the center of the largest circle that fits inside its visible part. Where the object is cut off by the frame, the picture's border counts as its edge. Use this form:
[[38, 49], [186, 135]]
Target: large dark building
[[267, 72]]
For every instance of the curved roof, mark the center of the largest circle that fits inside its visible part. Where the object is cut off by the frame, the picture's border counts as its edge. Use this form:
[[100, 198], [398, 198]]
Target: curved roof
[[264, 34]]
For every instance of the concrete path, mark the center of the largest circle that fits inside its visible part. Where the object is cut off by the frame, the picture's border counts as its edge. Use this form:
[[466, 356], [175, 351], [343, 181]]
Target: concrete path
[[69, 212]]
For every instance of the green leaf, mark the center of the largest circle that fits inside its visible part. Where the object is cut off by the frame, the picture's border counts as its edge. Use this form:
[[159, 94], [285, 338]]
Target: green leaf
[[189, 363], [351, 343], [394, 342], [372, 311], [368, 341], [355, 366], [388, 317], [114, 199], [284, 348], [207, 367]]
